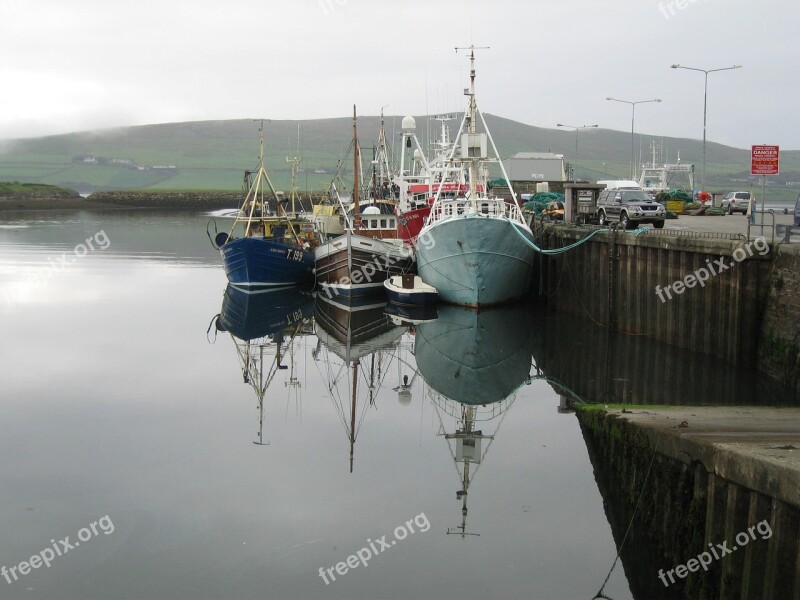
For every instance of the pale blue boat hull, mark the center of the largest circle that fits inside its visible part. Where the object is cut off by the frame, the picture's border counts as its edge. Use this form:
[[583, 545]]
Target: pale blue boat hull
[[475, 261]]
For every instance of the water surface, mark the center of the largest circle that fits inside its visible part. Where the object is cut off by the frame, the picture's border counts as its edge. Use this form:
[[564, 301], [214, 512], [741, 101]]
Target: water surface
[[126, 393]]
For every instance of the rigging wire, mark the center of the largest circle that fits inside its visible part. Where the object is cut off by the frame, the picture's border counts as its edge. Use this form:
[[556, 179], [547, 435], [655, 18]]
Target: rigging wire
[[599, 593]]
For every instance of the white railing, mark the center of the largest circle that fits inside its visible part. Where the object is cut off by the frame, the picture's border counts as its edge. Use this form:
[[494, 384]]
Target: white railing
[[487, 207]]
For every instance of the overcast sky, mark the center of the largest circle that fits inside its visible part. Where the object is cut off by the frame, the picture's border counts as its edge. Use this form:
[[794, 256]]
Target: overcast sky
[[68, 65]]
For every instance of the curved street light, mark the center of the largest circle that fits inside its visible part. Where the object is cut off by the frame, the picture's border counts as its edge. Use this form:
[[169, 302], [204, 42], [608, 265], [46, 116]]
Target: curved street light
[[705, 105], [633, 104], [576, 128]]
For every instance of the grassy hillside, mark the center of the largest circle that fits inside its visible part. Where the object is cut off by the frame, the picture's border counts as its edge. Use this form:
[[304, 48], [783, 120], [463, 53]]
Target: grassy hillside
[[15, 190], [212, 155]]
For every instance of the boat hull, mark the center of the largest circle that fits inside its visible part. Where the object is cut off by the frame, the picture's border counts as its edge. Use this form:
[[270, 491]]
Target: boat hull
[[410, 223], [257, 264], [419, 295], [354, 265], [475, 260]]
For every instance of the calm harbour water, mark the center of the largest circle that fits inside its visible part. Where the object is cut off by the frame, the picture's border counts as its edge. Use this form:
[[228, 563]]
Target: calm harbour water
[[118, 400]]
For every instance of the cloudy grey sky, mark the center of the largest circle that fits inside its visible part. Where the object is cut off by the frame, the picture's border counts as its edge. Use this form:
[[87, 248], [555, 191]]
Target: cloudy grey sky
[[89, 64]]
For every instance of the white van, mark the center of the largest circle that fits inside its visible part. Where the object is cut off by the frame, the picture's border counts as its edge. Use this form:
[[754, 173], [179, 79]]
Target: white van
[[619, 184]]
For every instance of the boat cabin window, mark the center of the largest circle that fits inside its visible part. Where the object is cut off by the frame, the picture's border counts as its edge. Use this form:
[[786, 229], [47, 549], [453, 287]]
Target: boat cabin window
[[373, 223], [383, 223], [485, 208]]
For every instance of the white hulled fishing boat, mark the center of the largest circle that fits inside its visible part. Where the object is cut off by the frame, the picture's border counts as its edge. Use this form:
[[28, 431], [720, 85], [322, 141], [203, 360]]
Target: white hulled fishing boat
[[475, 250]]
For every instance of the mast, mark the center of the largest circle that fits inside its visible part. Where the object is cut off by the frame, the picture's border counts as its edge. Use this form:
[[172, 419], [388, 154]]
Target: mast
[[356, 156], [294, 163], [471, 118], [472, 129], [384, 170]]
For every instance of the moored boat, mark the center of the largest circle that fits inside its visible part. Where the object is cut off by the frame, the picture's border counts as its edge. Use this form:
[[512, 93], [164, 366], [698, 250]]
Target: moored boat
[[421, 180], [354, 264], [410, 290], [266, 249], [478, 250]]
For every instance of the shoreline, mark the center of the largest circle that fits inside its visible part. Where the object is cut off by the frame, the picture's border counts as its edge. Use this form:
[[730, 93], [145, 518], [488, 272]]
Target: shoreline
[[127, 200], [174, 200]]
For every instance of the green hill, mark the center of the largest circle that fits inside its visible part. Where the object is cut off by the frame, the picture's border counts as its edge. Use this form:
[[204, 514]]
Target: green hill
[[212, 155]]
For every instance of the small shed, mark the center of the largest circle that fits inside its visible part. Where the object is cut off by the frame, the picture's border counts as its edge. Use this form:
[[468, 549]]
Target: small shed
[[535, 166]]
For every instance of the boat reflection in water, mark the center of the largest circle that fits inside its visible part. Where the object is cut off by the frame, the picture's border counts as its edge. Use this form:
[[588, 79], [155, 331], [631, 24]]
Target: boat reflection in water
[[265, 327], [410, 315], [473, 363], [356, 348]]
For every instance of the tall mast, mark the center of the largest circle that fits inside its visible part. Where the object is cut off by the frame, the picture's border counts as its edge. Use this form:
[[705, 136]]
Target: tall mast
[[384, 170], [472, 128], [471, 119], [355, 172], [294, 163]]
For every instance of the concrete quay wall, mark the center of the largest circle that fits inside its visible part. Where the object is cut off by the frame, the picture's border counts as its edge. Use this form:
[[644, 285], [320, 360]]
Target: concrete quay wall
[[746, 310]]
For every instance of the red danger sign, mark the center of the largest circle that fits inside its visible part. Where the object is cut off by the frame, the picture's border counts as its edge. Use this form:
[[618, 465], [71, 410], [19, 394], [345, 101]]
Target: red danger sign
[[764, 160]]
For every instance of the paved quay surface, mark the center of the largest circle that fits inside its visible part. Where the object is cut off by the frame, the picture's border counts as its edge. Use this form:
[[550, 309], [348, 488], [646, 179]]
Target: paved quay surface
[[725, 224], [758, 447]]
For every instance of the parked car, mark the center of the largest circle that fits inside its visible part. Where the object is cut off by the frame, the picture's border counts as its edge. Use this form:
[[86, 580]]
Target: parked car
[[629, 207], [734, 202], [797, 211]]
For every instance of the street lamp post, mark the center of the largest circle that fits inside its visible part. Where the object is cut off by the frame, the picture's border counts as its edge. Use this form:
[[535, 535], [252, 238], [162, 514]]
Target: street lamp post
[[576, 128], [705, 106], [633, 104]]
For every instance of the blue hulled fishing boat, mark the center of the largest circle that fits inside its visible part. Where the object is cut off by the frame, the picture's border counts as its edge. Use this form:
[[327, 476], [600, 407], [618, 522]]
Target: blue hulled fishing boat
[[267, 249]]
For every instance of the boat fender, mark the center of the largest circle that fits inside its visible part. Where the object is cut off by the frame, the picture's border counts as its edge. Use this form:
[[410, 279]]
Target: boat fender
[[221, 239]]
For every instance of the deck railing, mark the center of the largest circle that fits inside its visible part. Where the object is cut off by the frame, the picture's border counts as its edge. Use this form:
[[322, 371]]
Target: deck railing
[[487, 207]]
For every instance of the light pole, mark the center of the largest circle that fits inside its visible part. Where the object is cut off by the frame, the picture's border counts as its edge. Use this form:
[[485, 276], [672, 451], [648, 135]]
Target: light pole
[[633, 104], [576, 128], [705, 106]]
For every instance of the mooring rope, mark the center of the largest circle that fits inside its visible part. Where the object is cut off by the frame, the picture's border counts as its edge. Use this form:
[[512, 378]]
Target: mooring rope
[[556, 250], [599, 594]]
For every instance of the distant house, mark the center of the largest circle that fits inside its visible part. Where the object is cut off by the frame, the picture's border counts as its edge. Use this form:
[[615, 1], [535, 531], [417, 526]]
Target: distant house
[[123, 162], [89, 160], [535, 167]]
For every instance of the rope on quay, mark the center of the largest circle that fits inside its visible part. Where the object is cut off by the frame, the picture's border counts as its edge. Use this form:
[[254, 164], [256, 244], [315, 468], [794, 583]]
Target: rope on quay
[[556, 250]]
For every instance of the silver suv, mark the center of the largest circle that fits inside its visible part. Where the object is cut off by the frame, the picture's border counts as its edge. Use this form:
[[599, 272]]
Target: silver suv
[[734, 202], [629, 207], [797, 211]]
